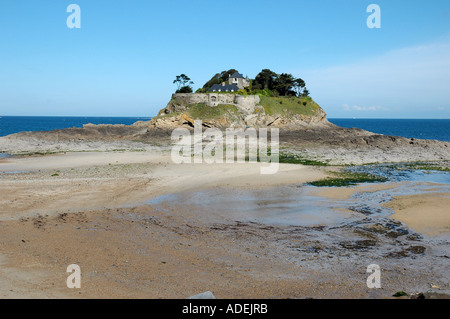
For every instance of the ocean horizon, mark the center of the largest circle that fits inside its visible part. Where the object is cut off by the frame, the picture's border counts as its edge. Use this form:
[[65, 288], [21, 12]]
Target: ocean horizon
[[434, 129], [15, 124], [429, 129]]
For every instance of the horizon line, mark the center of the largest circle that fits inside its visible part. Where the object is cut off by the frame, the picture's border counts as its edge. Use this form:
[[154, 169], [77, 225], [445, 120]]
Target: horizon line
[[128, 116]]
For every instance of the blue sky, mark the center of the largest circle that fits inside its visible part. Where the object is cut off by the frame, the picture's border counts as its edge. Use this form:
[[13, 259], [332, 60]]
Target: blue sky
[[123, 59]]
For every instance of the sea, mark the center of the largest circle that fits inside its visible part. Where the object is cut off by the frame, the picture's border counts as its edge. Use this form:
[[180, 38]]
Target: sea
[[435, 129], [429, 129], [15, 124]]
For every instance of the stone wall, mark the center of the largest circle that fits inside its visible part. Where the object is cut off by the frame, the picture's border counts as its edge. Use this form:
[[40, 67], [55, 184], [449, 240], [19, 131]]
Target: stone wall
[[246, 103]]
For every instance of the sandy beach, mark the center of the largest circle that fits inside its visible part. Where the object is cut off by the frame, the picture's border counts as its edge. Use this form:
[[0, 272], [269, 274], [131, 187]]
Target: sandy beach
[[93, 180], [81, 187], [426, 213], [101, 210]]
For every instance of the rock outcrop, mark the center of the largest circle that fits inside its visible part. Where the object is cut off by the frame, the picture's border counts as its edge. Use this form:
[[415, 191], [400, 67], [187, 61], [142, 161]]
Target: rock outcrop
[[234, 110]]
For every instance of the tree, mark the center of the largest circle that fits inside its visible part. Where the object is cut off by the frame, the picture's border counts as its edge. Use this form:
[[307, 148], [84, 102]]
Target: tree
[[283, 84], [185, 89], [226, 74], [305, 92], [264, 80], [182, 81], [218, 78], [298, 86]]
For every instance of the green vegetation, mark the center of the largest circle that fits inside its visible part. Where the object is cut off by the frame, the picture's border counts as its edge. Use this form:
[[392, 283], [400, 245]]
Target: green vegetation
[[183, 83], [296, 159], [163, 115], [284, 105], [400, 294], [343, 179], [427, 167], [280, 94], [185, 89], [266, 83], [202, 112], [217, 79], [265, 92], [283, 84]]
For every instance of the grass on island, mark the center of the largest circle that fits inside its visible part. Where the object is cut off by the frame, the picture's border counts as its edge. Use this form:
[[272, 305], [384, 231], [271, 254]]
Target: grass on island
[[344, 179], [280, 105], [164, 115], [288, 105], [203, 112]]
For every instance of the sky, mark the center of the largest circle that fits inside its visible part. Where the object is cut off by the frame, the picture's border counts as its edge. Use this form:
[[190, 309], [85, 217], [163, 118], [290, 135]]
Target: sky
[[124, 57]]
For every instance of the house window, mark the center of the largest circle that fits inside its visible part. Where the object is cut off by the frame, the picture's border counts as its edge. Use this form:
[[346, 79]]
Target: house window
[[213, 99]]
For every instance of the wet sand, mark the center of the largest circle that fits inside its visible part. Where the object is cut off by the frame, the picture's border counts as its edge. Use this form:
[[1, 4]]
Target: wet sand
[[37, 191], [425, 213], [81, 181]]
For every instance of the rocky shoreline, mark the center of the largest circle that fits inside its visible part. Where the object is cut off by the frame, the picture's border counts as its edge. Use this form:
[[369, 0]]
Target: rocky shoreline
[[325, 142]]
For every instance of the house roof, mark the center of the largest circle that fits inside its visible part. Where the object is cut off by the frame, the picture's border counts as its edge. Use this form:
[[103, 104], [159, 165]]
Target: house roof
[[224, 88], [236, 75]]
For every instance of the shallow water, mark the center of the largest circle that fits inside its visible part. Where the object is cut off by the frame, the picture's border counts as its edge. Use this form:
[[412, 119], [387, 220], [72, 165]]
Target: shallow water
[[297, 205], [325, 234], [287, 205], [401, 173]]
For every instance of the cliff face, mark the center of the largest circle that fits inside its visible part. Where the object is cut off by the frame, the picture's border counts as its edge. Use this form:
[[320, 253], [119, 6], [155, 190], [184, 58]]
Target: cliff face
[[233, 110]]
